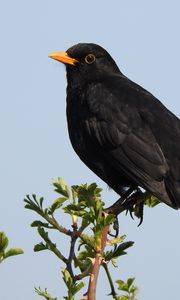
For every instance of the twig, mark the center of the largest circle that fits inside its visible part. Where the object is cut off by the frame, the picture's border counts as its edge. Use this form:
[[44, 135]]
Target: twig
[[71, 252], [91, 294], [58, 254], [57, 226], [113, 292]]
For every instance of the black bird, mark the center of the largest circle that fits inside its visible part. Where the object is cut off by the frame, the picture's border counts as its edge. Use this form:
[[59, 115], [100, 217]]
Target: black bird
[[118, 129]]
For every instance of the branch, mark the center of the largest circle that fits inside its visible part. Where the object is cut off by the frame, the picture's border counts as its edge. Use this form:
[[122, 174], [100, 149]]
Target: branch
[[72, 252], [113, 292], [91, 294]]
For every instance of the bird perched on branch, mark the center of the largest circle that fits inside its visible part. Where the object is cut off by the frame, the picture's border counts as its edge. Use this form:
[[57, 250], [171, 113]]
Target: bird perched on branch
[[118, 129]]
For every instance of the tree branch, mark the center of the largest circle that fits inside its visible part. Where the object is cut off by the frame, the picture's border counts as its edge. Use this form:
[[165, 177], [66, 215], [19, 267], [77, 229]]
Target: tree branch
[[91, 294]]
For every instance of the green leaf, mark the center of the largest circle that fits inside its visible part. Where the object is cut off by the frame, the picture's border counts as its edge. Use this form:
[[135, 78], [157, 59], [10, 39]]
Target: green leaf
[[57, 204], [88, 193], [41, 201], [74, 210], [61, 187], [87, 240], [39, 223], [35, 199], [109, 219], [74, 192], [73, 207], [152, 201], [13, 251], [73, 288], [122, 238], [40, 247], [123, 297], [67, 278], [134, 290], [88, 217], [114, 263], [120, 249], [44, 294], [128, 287], [122, 286], [3, 241], [130, 282], [33, 204], [43, 233], [78, 287], [75, 188]]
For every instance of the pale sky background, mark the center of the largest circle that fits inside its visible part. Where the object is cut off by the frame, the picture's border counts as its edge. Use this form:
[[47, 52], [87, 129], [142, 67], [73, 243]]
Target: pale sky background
[[143, 38]]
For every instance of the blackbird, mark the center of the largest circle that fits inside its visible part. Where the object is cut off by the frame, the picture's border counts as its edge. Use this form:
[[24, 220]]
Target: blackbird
[[122, 132]]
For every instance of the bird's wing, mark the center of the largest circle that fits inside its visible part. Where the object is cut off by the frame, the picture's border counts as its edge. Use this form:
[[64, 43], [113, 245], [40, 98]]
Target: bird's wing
[[126, 140]]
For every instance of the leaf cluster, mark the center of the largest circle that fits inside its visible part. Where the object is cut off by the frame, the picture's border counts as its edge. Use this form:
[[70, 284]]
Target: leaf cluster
[[84, 205], [129, 289], [73, 287], [44, 294], [4, 242]]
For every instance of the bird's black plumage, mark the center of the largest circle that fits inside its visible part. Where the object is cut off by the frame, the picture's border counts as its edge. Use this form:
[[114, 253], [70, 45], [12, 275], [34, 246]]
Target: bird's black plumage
[[118, 129]]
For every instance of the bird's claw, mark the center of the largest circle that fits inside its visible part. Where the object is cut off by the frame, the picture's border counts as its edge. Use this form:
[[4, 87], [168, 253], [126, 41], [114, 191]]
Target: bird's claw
[[133, 203], [116, 229]]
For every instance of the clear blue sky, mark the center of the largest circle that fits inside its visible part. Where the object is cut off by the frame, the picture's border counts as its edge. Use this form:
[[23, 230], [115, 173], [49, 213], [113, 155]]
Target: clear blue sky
[[143, 38]]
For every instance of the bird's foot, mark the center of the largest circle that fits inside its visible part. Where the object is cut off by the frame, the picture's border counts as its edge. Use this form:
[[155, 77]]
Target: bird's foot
[[132, 202], [118, 206]]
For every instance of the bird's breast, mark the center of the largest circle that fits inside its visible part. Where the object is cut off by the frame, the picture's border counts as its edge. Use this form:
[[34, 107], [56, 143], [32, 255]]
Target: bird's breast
[[77, 112]]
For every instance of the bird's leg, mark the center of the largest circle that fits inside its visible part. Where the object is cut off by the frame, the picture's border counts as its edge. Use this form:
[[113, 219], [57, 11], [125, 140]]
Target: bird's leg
[[114, 209], [131, 202]]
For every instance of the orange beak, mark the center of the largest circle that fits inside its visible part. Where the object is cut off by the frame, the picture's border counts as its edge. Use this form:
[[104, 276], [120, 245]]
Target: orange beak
[[63, 57]]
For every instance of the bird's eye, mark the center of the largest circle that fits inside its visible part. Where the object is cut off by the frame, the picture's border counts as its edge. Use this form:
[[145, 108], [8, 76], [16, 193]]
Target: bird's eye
[[90, 58]]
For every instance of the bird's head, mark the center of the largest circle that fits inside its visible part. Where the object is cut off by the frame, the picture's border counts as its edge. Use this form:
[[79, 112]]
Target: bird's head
[[86, 62]]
